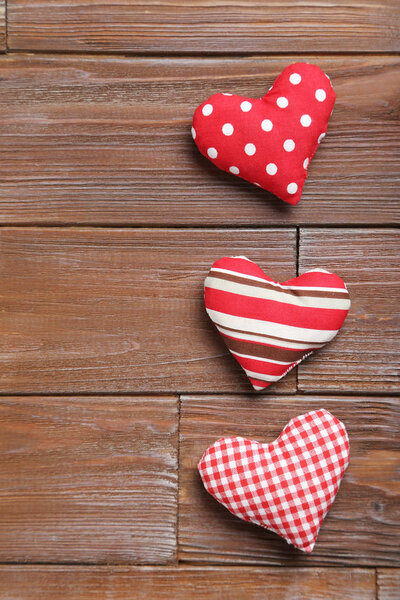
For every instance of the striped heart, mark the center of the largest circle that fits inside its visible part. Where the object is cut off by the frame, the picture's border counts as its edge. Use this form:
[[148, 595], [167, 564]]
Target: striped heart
[[287, 486], [271, 327]]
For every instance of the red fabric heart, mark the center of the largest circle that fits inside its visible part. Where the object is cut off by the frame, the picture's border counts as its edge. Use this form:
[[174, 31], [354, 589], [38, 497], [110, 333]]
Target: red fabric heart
[[271, 327], [287, 486], [268, 141]]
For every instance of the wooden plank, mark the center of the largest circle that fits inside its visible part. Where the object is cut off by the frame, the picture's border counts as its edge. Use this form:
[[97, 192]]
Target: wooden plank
[[364, 356], [203, 26], [388, 584], [88, 479], [44, 582], [2, 25], [90, 141], [362, 527], [97, 310]]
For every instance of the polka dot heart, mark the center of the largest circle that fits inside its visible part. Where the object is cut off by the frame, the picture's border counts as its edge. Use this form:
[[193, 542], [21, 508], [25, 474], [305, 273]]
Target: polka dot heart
[[269, 140]]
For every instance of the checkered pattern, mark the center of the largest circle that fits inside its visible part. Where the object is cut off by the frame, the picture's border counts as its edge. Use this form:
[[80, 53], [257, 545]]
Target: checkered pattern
[[287, 486]]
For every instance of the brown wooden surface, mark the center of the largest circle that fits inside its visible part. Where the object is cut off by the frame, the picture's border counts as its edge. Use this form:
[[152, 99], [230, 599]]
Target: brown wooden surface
[[88, 479], [388, 584], [94, 133], [102, 140], [362, 526], [211, 583], [204, 26], [97, 310], [365, 355], [2, 25]]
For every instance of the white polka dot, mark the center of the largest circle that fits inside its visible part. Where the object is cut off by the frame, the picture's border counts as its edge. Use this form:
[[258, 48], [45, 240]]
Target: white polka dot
[[212, 153], [295, 78], [282, 102], [321, 137], [246, 106], [234, 170], [250, 149], [226, 94], [271, 169], [257, 184], [306, 163], [207, 110], [292, 188], [193, 133], [289, 145], [320, 95], [305, 120], [266, 125], [227, 129]]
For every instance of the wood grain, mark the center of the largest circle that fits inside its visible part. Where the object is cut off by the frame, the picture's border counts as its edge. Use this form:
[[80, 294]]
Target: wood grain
[[200, 583], [2, 25], [204, 26], [388, 584], [363, 525], [364, 356], [88, 479], [89, 140], [97, 310]]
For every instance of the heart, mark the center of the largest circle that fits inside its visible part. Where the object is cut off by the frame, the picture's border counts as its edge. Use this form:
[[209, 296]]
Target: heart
[[268, 141], [271, 327], [287, 486]]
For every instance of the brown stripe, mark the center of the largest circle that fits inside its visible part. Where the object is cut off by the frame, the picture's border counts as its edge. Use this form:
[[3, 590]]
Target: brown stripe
[[268, 352], [273, 337], [269, 286]]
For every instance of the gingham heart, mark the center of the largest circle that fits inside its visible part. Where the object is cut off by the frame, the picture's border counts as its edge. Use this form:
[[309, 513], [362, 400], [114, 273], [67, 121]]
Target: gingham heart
[[287, 486], [268, 141], [271, 327]]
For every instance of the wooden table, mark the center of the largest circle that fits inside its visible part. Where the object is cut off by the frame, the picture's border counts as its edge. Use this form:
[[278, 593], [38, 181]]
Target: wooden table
[[112, 379]]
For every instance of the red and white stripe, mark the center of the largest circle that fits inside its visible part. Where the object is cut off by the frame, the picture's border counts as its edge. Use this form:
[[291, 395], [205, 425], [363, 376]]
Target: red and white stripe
[[271, 327]]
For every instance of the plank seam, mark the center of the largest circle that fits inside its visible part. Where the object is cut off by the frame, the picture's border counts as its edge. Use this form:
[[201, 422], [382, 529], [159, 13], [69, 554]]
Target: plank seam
[[178, 458], [297, 274], [5, 27], [261, 565], [302, 394], [197, 54], [190, 563], [88, 227]]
